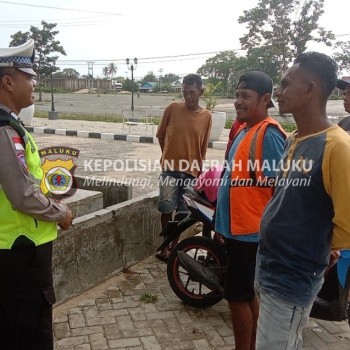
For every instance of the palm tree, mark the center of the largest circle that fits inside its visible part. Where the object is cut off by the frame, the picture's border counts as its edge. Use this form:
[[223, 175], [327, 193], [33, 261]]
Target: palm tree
[[112, 68], [105, 72]]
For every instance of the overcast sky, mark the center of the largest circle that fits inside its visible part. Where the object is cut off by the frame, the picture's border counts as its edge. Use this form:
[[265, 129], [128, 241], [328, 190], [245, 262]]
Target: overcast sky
[[107, 31]]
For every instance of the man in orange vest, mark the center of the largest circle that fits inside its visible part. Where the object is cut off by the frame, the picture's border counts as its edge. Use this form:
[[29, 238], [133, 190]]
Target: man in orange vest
[[246, 187]]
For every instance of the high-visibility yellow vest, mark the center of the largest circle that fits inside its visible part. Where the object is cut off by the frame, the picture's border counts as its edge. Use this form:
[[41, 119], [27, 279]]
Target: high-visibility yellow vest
[[13, 223]]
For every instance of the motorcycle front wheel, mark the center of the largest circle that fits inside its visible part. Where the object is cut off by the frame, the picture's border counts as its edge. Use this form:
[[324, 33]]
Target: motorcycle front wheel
[[210, 254]]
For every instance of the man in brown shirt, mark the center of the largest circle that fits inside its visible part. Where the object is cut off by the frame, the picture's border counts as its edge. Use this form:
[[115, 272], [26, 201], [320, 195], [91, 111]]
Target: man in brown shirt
[[183, 135]]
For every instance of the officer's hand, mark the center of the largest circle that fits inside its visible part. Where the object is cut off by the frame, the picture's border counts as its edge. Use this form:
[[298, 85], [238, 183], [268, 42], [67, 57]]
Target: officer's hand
[[66, 222]]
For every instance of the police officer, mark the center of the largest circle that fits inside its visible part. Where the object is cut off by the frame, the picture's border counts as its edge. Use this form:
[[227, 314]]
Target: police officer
[[28, 219]]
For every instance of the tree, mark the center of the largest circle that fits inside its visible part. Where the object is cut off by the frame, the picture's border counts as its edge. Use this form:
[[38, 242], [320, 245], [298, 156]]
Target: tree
[[70, 73], [283, 28], [127, 85], [67, 73], [119, 79], [263, 60], [112, 68], [105, 72], [149, 77], [223, 67], [342, 55], [44, 44], [169, 78]]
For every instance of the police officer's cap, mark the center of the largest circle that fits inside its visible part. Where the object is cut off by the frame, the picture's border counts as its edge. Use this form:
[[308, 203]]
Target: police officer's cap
[[19, 57]]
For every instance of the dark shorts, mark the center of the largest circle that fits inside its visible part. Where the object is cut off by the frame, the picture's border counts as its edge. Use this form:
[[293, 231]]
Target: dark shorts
[[172, 185], [240, 273], [26, 298]]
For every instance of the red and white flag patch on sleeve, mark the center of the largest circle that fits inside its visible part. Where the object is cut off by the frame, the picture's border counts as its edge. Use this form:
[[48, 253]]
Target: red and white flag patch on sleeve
[[17, 141]]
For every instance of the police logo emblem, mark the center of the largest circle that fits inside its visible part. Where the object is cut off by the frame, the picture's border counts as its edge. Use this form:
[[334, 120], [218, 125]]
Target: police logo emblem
[[58, 171]]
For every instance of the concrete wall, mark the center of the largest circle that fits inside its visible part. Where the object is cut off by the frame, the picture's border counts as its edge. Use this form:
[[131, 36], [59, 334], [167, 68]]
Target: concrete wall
[[113, 193], [78, 84], [103, 243]]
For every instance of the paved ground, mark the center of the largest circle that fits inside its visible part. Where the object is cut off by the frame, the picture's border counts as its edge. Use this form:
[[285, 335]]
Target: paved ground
[[111, 316]]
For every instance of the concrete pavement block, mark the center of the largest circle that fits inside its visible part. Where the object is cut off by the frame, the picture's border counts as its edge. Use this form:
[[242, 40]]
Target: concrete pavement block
[[61, 132], [133, 138], [97, 321], [38, 130], [98, 341], [107, 136], [150, 342], [219, 145], [72, 341], [76, 321], [83, 347], [87, 330], [111, 331], [87, 302], [201, 344], [83, 134], [124, 343], [61, 330]]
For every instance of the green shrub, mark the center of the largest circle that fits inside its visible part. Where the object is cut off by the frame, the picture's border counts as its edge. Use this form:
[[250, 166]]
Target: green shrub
[[148, 298], [78, 116], [288, 127], [228, 124]]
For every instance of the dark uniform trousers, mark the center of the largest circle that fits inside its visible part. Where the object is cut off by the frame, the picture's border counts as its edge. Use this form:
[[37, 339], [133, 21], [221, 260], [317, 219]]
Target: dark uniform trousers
[[26, 296]]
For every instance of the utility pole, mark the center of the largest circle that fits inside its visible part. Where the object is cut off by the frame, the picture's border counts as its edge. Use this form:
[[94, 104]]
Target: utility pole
[[132, 67], [52, 114], [160, 79], [90, 74]]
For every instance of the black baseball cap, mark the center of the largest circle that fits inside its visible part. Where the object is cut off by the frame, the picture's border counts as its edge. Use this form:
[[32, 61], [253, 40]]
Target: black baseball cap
[[342, 84], [259, 82]]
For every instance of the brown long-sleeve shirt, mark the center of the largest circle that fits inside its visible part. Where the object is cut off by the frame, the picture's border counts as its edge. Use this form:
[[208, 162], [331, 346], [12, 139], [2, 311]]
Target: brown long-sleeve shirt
[[183, 136]]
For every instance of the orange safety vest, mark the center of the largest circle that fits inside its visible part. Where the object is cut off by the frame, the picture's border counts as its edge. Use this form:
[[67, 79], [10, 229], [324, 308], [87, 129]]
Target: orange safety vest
[[249, 189]]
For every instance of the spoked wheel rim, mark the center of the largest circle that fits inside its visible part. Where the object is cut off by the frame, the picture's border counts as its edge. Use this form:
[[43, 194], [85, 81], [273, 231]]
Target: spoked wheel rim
[[193, 292]]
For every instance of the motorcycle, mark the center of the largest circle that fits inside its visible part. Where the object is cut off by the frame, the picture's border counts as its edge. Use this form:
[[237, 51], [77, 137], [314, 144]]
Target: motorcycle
[[206, 248], [207, 251]]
